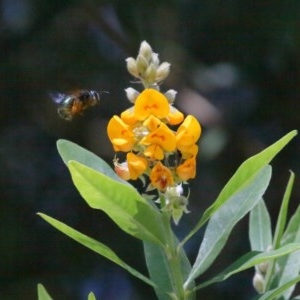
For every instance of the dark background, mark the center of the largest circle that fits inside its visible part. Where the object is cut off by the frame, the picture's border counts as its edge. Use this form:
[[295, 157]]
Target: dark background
[[236, 67]]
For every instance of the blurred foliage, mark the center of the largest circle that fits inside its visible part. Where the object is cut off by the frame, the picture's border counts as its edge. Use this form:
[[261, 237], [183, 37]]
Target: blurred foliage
[[236, 66]]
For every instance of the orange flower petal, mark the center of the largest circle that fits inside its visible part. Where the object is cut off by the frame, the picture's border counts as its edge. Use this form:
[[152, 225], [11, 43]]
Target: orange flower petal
[[187, 170], [137, 165], [152, 123], [154, 152], [175, 116], [151, 102], [188, 151], [161, 177], [120, 135], [128, 116], [188, 132], [162, 136]]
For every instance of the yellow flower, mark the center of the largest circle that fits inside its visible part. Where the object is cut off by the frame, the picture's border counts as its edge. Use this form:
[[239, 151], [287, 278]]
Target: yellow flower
[[175, 116], [188, 151], [187, 170], [120, 135], [122, 169], [151, 102], [152, 123], [128, 116], [162, 137], [137, 165], [154, 152], [188, 133], [161, 177]]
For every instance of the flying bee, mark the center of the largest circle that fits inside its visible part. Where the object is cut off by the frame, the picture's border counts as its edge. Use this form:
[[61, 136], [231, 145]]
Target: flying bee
[[71, 105]]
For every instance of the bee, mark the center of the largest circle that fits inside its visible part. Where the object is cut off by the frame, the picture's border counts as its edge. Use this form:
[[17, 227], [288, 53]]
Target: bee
[[71, 105]]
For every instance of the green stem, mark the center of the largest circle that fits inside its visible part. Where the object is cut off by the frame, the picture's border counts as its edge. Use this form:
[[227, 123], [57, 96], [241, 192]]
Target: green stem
[[173, 260]]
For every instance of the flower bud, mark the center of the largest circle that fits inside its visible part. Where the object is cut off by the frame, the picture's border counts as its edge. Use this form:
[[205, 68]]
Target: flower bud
[[258, 282], [155, 59], [170, 95], [142, 65], [131, 94], [145, 51], [150, 74], [263, 267], [162, 71], [132, 66]]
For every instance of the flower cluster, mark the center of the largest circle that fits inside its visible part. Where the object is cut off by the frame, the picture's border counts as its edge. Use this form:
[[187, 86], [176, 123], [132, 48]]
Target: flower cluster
[[144, 132]]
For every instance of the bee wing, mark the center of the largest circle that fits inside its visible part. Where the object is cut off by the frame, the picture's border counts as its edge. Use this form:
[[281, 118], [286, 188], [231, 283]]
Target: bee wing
[[57, 97]]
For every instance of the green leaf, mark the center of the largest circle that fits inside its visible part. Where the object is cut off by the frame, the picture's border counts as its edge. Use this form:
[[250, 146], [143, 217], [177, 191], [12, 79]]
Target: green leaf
[[249, 260], [260, 231], [159, 269], [281, 221], [242, 178], [289, 266], [91, 296], [123, 204], [42, 293], [277, 292], [288, 271], [222, 222], [94, 246], [71, 151]]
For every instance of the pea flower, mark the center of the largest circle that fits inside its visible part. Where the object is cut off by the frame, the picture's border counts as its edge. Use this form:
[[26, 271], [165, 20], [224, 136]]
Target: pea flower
[[145, 131], [120, 135], [161, 177]]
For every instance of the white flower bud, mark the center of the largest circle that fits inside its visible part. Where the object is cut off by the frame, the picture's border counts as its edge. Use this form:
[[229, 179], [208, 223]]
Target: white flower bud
[[263, 267], [150, 74], [258, 282], [132, 66], [170, 95], [131, 94], [162, 71], [142, 65], [145, 51], [155, 59]]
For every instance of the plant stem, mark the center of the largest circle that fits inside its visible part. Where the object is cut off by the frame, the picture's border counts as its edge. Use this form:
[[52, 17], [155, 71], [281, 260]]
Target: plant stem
[[173, 260]]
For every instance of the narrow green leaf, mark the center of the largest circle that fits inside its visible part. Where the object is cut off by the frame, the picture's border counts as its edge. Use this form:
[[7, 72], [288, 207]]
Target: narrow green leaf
[[289, 266], [158, 266], [249, 260], [91, 296], [222, 222], [71, 151], [292, 232], [42, 293], [281, 222], [95, 246], [123, 204], [260, 231], [242, 178], [277, 292]]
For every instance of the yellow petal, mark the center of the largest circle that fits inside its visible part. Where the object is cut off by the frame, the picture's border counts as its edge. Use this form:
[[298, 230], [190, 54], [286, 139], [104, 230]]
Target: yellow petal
[[161, 177], [152, 123], [175, 116], [187, 170], [128, 116], [151, 102], [188, 132], [137, 165], [120, 134], [162, 136], [154, 152]]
